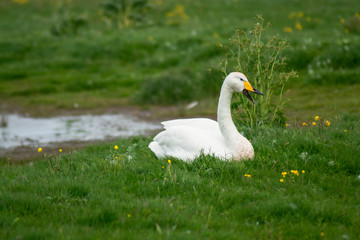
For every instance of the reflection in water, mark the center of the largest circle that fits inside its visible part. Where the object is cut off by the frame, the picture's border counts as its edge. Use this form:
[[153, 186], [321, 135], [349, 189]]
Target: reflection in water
[[20, 131]]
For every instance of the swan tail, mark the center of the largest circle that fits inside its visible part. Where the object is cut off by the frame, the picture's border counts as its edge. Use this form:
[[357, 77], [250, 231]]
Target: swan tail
[[156, 148]]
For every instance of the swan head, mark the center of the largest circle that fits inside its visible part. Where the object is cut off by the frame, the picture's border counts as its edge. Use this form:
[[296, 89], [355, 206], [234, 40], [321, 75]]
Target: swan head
[[238, 82]]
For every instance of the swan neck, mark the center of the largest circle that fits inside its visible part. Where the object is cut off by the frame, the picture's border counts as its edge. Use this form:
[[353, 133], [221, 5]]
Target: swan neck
[[226, 124]]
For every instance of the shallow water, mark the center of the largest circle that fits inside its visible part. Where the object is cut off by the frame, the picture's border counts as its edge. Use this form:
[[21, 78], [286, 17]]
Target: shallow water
[[26, 131]]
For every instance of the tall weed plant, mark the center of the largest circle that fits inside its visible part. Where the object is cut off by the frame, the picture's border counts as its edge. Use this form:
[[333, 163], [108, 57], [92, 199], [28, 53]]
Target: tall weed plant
[[66, 22], [123, 13], [263, 65]]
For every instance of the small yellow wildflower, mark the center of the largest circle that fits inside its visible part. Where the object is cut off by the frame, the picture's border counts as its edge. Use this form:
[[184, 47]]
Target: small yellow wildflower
[[317, 118], [342, 21], [150, 38], [357, 15], [296, 172], [287, 29], [162, 167], [300, 14], [304, 124], [286, 124], [165, 178], [298, 26], [178, 12], [281, 180], [39, 150], [346, 30], [116, 147], [308, 19], [284, 174], [247, 175], [313, 123], [322, 234], [60, 150], [129, 215], [169, 161], [327, 123], [345, 130], [303, 171]]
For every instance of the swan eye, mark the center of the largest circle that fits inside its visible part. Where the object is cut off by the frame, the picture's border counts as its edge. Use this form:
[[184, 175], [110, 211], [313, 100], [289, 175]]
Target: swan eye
[[241, 79]]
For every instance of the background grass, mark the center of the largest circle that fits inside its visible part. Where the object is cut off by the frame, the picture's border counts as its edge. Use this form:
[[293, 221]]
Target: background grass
[[102, 65], [92, 195], [128, 193]]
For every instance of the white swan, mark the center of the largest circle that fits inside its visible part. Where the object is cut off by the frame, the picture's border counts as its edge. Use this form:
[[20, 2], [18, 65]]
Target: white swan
[[186, 139]]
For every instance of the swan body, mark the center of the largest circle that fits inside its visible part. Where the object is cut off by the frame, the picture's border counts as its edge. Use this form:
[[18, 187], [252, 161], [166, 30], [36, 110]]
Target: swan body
[[186, 139]]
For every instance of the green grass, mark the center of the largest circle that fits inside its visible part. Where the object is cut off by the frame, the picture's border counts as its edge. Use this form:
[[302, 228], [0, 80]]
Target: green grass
[[102, 66], [93, 195]]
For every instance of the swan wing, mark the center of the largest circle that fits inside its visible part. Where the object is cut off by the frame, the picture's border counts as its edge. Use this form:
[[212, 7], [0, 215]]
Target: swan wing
[[188, 142], [199, 123]]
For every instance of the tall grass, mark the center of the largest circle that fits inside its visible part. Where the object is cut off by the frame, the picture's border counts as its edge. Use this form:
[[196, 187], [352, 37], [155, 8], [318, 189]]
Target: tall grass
[[262, 63]]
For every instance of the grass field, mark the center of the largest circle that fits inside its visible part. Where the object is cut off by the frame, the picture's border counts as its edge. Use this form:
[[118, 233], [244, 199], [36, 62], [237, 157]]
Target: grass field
[[128, 193], [104, 66], [103, 193]]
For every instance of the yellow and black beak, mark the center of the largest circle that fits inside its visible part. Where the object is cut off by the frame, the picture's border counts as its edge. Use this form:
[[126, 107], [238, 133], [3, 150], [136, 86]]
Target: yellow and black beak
[[247, 88]]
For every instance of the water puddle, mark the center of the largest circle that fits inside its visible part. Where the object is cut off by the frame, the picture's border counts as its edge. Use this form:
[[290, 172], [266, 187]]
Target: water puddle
[[25, 131]]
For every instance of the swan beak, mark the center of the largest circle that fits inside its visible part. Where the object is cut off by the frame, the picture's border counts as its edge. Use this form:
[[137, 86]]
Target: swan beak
[[247, 88], [257, 92], [246, 93]]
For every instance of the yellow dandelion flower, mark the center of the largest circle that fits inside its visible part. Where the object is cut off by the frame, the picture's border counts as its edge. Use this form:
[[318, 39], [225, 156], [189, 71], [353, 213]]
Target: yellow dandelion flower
[[322, 234], [129, 215], [39, 150], [286, 124], [345, 130], [298, 26], [342, 20], [162, 167], [296, 172], [150, 38], [327, 123], [116, 147], [317, 118], [281, 180], [304, 124], [303, 171], [284, 174], [247, 175], [165, 178], [313, 123], [300, 14], [308, 19], [287, 29], [357, 15], [60, 150], [169, 161], [346, 30]]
